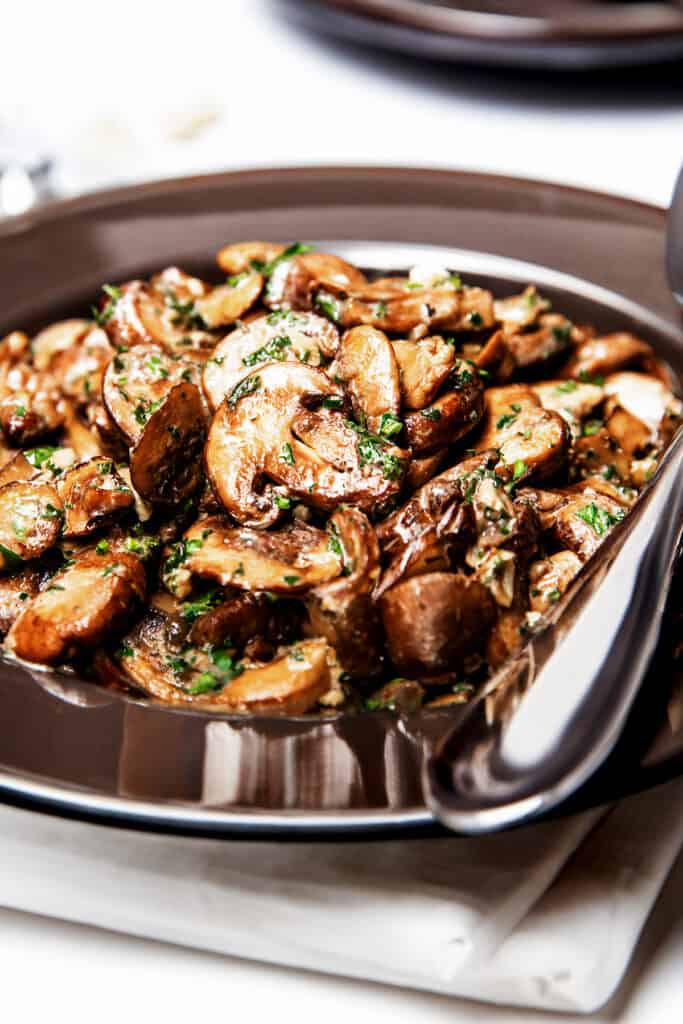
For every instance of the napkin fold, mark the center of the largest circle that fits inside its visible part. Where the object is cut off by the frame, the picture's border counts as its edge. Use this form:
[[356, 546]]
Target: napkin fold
[[545, 916]]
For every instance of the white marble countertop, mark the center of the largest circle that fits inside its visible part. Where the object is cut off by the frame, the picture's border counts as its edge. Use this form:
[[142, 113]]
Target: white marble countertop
[[145, 90]]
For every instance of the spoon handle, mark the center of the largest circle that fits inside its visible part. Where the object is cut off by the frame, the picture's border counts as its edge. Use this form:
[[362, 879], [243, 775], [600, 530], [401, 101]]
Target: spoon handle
[[549, 718]]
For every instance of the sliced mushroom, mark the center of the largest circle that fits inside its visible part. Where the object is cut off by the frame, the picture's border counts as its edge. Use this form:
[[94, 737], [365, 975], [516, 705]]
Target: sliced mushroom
[[228, 302], [92, 495], [606, 354], [166, 464], [367, 366], [137, 382], [424, 367], [435, 543], [403, 695], [30, 522], [598, 454], [236, 620], [290, 684], [289, 561], [63, 336], [278, 337], [163, 312], [433, 621], [343, 610], [569, 396], [455, 309], [517, 311], [495, 359], [15, 592], [423, 467], [241, 256], [532, 348], [451, 416], [268, 426], [497, 570], [532, 440], [583, 523], [550, 577], [27, 417], [648, 402], [82, 606], [294, 280], [78, 370], [18, 468]]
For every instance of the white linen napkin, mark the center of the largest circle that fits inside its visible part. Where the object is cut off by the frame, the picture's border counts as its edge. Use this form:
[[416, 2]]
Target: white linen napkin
[[512, 918]]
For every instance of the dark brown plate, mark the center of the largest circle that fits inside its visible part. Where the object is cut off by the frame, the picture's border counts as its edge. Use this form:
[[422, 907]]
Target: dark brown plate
[[553, 35], [72, 748]]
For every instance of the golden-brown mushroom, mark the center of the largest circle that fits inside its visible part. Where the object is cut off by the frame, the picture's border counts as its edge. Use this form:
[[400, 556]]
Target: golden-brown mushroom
[[165, 464], [532, 440], [343, 611], [367, 367], [550, 338], [279, 337], [599, 356], [59, 337], [78, 369], [550, 577], [577, 398], [242, 256], [228, 302], [28, 416], [289, 561], [519, 311], [433, 621], [30, 522], [217, 681], [137, 382], [93, 495], [583, 523], [449, 417], [640, 411], [424, 367], [80, 607], [282, 423], [15, 592]]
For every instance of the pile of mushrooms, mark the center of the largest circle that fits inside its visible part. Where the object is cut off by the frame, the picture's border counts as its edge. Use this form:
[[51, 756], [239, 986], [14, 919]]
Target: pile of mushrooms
[[299, 489]]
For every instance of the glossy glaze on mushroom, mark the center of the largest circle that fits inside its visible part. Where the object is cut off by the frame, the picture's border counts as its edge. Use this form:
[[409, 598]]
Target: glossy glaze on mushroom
[[301, 490]]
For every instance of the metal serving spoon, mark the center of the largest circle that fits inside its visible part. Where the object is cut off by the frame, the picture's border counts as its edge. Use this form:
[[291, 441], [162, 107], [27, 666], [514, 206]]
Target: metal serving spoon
[[548, 720]]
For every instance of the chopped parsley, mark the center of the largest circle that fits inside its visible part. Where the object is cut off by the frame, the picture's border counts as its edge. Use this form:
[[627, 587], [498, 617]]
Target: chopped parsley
[[39, 456], [275, 350], [295, 249], [389, 425], [102, 547], [104, 315], [382, 309], [192, 610], [291, 581], [567, 387], [599, 519], [506, 421], [562, 333], [11, 559], [186, 314], [596, 379], [245, 387], [475, 319], [124, 651], [372, 449], [329, 305], [519, 469], [287, 455], [51, 512], [431, 414], [333, 402], [591, 427], [283, 502]]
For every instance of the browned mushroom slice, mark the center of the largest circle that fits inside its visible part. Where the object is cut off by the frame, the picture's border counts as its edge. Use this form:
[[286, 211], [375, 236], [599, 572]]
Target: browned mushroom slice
[[137, 382], [533, 347], [518, 311], [242, 256], [78, 370], [597, 357], [81, 438], [640, 411], [216, 681], [433, 621], [281, 336], [403, 695], [82, 605], [532, 440], [550, 577], [497, 571], [163, 312], [30, 522], [93, 494], [598, 454], [367, 366], [582, 524], [451, 416], [508, 636], [495, 359], [289, 561], [269, 426], [424, 366], [436, 543], [569, 396], [18, 468], [15, 593], [228, 302], [27, 417], [423, 468], [236, 620], [57, 338], [343, 611], [166, 464], [447, 307], [294, 279]]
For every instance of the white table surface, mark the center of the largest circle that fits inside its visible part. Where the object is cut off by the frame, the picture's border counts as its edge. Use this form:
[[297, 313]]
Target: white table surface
[[111, 89]]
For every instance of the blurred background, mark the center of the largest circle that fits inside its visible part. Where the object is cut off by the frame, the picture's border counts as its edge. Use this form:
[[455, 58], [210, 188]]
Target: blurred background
[[119, 94]]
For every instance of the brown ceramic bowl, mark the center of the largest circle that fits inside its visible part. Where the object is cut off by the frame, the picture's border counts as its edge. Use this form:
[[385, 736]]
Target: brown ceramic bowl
[[553, 35], [73, 748]]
